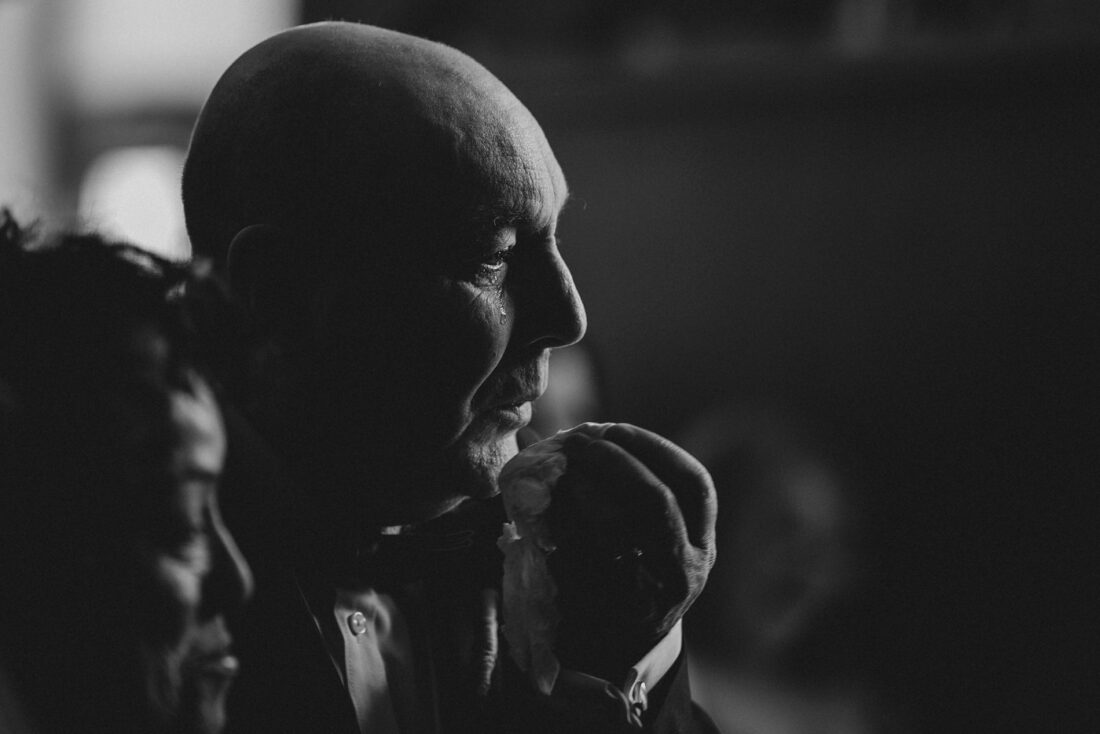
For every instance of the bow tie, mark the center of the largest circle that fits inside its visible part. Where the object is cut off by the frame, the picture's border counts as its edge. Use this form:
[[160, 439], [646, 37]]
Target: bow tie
[[395, 560], [460, 545]]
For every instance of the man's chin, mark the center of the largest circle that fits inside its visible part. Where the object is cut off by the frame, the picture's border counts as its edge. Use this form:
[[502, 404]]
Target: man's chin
[[474, 472], [423, 501], [492, 460], [426, 486]]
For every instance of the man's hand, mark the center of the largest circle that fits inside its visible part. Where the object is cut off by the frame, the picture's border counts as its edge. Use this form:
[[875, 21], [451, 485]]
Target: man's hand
[[633, 519]]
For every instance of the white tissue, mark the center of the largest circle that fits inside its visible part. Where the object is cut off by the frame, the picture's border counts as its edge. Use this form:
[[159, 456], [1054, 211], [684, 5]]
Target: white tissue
[[530, 612]]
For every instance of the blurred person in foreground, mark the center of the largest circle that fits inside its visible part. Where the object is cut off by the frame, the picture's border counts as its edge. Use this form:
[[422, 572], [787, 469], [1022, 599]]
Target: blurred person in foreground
[[118, 575], [387, 212]]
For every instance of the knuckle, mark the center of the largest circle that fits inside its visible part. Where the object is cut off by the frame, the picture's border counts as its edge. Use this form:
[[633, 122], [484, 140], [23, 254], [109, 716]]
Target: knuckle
[[710, 556]]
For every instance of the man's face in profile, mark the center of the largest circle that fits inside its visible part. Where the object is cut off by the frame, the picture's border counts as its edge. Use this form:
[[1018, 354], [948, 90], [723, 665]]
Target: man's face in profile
[[435, 351]]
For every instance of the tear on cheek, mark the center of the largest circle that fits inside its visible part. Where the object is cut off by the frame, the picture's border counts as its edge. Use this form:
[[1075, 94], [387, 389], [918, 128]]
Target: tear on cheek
[[495, 301], [490, 306]]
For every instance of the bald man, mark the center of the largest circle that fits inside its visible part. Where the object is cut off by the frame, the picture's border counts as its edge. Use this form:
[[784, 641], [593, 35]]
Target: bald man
[[386, 210]]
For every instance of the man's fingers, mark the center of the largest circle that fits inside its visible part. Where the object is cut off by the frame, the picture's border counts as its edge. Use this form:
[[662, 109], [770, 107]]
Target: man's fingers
[[626, 482], [680, 471], [620, 509]]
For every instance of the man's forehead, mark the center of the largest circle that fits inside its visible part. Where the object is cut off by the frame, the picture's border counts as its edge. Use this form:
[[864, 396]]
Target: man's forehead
[[500, 150], [367, 128], [522, 184], [533, 208]]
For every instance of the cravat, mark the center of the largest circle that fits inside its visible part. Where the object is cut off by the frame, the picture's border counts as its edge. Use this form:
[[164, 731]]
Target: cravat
[[459, 545]]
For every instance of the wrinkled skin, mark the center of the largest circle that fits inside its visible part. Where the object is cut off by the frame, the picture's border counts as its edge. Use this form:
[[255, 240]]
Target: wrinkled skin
[[629, 557], [400, 243], [415, 351], [628, 491]]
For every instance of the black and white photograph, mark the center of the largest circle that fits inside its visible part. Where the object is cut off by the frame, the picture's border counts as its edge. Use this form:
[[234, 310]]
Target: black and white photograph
[[549, 366]]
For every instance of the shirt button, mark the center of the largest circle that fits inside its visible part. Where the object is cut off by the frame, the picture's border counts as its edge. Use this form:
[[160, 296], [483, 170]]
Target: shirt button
[[357, 623]]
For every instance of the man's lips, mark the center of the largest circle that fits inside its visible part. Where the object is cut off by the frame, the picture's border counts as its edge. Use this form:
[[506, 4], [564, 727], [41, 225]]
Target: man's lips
[[514, 392], [525, 398], [513, 413], [510, 393], [518, 413]]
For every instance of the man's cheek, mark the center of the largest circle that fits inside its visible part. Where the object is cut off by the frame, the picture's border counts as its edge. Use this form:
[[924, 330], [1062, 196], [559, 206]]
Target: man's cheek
[[466, 352]]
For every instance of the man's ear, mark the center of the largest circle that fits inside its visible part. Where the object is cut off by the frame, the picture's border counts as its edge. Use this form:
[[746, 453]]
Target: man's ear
[[263, 273]]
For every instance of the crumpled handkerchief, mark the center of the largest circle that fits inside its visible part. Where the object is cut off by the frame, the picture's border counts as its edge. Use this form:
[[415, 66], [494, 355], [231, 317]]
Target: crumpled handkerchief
[[530, 613]]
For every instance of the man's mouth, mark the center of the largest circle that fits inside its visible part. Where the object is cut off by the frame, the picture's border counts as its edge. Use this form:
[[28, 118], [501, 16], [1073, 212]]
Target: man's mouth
[[516, 397], [514, 415], [516, 391]]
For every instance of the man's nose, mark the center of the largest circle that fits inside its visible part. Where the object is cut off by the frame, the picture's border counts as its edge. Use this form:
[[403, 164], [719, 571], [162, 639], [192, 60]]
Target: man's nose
[[549, 310], [229, 584]]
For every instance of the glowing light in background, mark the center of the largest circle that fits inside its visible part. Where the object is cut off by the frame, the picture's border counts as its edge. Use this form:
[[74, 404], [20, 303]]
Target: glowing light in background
[[22, 145], [119, 53], [133, 194]]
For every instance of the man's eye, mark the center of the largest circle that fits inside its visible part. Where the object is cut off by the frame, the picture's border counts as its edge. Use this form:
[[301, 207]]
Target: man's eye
[[490, 270]]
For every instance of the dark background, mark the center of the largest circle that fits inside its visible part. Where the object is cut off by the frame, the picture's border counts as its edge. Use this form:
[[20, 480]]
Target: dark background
[[901, 249], [907, 256]]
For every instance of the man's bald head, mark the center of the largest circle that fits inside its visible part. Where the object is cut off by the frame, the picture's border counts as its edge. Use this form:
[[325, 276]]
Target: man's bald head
[[388, 210], [333, 126]]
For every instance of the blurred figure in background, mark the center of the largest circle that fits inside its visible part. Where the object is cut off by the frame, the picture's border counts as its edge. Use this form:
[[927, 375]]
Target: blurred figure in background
[[775, 640], [118, 574], [574, 393]]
